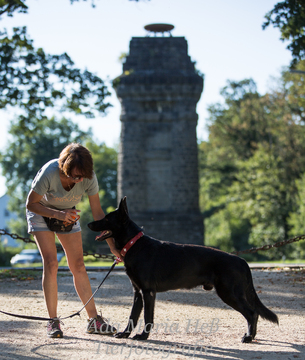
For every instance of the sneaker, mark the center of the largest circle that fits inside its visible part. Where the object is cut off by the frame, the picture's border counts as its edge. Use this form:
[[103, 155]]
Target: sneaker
[[53, 328], [99, 325]]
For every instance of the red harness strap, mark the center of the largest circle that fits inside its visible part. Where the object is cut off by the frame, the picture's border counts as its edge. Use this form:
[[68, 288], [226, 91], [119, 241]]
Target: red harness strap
[[131, 243]]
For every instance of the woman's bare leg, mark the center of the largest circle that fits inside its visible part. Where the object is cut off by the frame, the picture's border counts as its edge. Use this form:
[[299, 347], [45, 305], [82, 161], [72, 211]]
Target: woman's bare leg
[[72, 244], [45, 241]]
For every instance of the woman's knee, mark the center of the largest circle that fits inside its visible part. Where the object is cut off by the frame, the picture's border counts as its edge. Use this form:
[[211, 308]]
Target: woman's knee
[[50, 265], [77, 265]]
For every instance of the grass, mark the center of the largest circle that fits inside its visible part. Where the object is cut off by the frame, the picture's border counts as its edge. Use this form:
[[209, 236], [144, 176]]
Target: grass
[[23, 272], [295, 261], [89, 262], [102, 264], [19, 274]]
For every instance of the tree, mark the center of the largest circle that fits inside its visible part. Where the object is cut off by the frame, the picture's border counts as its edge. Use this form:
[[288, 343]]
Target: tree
[[289, 17], [34, 81], [297, 220], [251, 163], [234, 131], [105, 167], [10, 7], [30, 149], [34, 84]]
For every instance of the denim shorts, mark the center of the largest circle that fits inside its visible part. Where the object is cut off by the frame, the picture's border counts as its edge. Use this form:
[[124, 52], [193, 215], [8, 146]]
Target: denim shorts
[[36, 223]]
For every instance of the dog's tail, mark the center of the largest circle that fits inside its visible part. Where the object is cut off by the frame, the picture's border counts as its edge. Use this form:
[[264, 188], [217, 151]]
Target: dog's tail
[[260, 308], [264, 312]]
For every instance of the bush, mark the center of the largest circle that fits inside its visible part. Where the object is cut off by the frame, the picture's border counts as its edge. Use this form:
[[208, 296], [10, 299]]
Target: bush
[[6, 253]]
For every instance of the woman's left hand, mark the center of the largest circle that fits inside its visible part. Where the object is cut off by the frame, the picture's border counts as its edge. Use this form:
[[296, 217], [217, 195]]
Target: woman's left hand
[[98, 214], [113, 249]]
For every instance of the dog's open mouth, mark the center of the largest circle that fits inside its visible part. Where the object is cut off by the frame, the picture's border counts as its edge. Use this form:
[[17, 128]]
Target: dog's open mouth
[[104, 235]]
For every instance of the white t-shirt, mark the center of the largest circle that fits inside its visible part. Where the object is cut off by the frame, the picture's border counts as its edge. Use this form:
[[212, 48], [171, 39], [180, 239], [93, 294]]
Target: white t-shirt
[[47, 184]]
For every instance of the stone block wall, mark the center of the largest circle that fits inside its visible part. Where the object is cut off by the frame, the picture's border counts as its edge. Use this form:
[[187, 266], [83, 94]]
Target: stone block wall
[[158, 166]]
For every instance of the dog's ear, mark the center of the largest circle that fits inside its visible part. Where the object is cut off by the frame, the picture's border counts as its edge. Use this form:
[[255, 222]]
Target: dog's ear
[[123, 210], [124, 202]]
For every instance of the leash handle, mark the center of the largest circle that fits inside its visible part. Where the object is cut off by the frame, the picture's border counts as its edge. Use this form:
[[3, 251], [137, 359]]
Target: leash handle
[[26, 316]]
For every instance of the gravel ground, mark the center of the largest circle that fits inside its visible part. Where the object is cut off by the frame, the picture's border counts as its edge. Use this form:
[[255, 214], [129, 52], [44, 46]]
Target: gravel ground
[[188, 323]]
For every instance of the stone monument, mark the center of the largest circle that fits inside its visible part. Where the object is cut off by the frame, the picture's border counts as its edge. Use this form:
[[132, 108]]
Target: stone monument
[[157, 164]]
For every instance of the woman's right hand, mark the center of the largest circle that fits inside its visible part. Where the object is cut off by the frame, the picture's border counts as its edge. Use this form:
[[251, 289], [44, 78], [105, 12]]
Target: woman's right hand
[[33, 204], [68, 215]]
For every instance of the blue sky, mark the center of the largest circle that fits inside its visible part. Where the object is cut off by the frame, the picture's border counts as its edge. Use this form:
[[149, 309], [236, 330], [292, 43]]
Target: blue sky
[[225, 39]]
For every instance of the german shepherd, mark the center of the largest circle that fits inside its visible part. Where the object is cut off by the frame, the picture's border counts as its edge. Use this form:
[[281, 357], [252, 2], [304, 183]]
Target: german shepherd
[[156, 266]]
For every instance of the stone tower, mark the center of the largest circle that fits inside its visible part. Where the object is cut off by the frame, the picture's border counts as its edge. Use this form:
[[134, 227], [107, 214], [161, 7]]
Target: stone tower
[[158, 166]]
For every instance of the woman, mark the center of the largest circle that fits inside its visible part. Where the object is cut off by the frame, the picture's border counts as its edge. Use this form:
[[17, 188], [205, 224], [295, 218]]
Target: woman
[[56, 189]]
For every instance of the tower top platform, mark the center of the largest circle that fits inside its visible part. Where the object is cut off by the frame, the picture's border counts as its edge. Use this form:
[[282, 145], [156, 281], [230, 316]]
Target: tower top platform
[[159, 28]]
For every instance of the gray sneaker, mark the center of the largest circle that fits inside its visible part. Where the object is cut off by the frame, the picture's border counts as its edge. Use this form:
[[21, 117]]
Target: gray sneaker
[[98, 325], [53, 328]]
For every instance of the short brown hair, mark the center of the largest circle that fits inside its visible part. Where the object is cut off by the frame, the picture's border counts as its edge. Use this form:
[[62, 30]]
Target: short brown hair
[[76, 156]]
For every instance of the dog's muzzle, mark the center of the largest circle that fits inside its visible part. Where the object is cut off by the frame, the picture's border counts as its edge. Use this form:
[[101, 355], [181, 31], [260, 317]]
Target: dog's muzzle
[[106, 234]]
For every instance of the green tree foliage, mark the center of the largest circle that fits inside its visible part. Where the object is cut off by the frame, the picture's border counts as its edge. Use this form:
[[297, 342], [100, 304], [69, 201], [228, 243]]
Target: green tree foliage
[[250, 165], [34, 81], [35, 84], [31, 147], [289, 17], [105, 167], [89, 243], [11, 6], [297, 220]]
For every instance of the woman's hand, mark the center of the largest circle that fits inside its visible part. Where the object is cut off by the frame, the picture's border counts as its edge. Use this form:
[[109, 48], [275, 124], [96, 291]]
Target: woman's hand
[[33, 204], [99, 214], [68, 215], [113, 249]]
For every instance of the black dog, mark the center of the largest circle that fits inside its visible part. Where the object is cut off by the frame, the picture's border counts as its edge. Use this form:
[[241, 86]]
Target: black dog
[[155, 266]]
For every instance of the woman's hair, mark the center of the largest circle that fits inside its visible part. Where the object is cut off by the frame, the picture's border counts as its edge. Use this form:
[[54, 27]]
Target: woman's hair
[[76, 156]]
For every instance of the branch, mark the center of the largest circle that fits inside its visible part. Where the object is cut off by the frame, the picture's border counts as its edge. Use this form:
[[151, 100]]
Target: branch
[[10, 6]]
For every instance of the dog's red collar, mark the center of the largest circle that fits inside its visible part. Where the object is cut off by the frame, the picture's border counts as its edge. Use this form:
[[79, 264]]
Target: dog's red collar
[[131, 243]]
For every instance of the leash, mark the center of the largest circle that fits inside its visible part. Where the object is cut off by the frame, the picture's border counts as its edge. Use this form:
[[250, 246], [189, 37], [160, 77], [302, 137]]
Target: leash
[[66, 317]]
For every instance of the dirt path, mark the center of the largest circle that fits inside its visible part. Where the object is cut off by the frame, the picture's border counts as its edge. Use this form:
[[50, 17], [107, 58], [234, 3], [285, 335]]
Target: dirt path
[[188, 324]]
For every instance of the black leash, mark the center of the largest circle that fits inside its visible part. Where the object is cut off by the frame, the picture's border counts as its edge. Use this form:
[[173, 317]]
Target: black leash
[[67, 317]]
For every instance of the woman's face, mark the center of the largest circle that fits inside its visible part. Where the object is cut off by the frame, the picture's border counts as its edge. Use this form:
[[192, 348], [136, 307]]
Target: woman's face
[[76, 175]]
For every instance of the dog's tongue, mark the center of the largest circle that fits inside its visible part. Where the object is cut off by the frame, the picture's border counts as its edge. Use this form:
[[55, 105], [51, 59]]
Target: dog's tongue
[[102, 235]]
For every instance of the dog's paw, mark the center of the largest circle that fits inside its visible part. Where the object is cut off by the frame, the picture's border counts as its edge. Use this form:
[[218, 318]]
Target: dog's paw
[[247, 338], [122, 335], [143, 336]]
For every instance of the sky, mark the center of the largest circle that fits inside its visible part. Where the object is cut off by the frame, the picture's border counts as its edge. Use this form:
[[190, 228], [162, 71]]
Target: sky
[[225, 39]]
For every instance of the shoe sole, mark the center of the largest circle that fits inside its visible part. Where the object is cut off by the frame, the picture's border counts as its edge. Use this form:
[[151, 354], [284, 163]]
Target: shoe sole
[[56, 335]]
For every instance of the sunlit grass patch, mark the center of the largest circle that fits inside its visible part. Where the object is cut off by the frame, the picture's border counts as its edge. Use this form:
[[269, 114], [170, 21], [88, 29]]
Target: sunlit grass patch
[[19, 274]]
